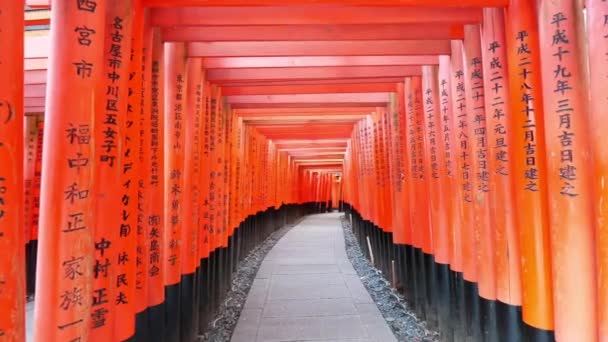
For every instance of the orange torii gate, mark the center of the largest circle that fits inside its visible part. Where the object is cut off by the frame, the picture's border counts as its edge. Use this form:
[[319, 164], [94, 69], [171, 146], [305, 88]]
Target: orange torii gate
[[179, 134]]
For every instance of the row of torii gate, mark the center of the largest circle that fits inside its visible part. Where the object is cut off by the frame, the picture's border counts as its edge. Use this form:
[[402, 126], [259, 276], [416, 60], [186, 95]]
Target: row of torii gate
[[470, 135]]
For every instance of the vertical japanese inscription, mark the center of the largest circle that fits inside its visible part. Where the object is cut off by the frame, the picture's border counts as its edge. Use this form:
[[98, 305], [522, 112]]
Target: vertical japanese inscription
[[66, 245], [528, 121], [462, 125]]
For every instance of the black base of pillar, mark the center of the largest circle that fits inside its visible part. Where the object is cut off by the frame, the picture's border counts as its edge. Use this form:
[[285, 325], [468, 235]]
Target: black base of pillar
[[172, 313]]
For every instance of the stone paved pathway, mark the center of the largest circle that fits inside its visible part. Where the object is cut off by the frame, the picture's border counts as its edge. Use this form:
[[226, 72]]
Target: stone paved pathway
[[307, 290]]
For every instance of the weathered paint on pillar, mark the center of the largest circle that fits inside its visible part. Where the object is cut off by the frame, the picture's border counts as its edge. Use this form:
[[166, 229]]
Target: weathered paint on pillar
[[597, 28], [569, 169], [12, 238], [526, 127], [501, 181], [66, 254]]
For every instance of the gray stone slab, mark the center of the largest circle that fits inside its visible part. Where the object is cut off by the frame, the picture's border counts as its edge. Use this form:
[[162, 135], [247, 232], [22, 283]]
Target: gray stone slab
[[247, 326], [311, 290], [356, 288], [307, 269], [311, 328], [257, 294], [374, 323], [310, 308], [313, 279]]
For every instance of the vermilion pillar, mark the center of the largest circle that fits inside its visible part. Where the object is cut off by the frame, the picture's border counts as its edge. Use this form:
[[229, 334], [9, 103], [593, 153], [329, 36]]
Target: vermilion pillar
[[597, 27], [529, 168], [192, 164], [569, 169], [139, 103], [30, 191], [120, 19], [154, 181], [67, 249], [501, 180], [111, 232], [12, 240], [192, 197], [452, 204], [463, 190], [436, 174], [483, 231], [175, 132]]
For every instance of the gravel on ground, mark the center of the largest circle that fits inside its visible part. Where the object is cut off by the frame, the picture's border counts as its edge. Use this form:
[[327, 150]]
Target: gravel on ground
[[402, 320]]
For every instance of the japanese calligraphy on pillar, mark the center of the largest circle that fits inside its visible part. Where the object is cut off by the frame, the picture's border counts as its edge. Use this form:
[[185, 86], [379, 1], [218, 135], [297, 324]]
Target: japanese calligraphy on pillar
[[67, 238], [570, 166], [174, 159], [563, 87], [462, 126], [154, 216], [36, 183], [479, 123], [29, 167], [446, 123], [528, 122], [429, 109], [121, 82], [139, 100], [497, 110], [192, 165]]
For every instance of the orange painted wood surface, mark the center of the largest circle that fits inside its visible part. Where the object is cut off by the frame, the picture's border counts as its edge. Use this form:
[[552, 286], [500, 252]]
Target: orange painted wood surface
[[12, 237], [529, 166], [597, 27], [569, 169], [66, 249]]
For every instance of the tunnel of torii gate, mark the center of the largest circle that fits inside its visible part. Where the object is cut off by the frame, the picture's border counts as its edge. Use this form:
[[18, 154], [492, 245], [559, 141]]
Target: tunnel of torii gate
[[146, 146]]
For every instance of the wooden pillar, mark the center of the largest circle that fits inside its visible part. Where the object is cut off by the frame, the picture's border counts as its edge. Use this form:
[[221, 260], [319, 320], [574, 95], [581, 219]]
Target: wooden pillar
[[121, 16], [466, 286], [31, 191], [12, 238], [483, 231], [112, 233], [175, 114], [452, 204], [501, 180], [597, 28], [138, 102], [154, 190], [192, 175], [569, 169], [66, 255], [529, 168]]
